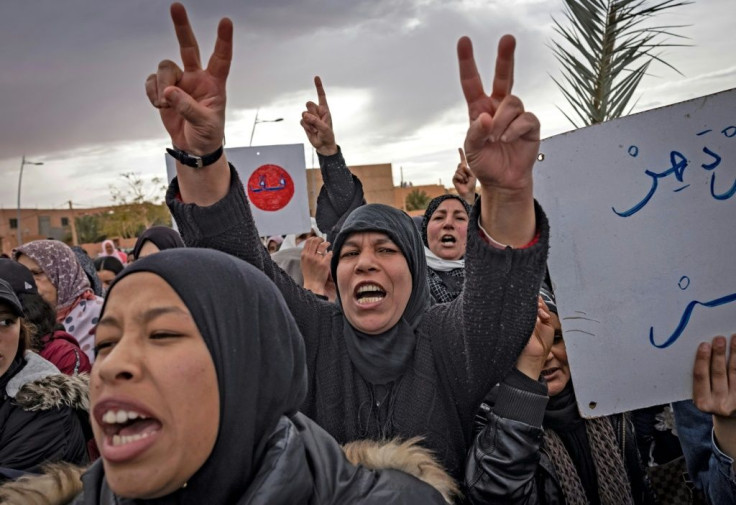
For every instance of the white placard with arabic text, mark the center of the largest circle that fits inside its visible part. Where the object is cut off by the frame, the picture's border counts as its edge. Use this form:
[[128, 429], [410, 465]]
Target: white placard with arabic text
[[275, 181], [642, 247]]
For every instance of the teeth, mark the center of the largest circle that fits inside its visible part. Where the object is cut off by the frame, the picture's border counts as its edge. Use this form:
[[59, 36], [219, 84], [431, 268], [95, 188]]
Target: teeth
[[121, 416], [126, 439], [370, 299], [369, 287]]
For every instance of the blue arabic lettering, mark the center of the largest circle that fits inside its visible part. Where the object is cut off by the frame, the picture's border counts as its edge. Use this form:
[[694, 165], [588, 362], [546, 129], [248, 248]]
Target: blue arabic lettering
[[711, 166], [678, 164], [685, 319], [263, 187]]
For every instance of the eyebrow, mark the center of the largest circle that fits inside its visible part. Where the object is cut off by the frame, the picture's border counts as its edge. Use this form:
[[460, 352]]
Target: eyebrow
[[146, 317], [7, 314], [379, 241]]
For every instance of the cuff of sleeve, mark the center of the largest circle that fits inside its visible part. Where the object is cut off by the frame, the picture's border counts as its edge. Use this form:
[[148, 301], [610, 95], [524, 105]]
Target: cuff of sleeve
[[521, 399], [724, 459], [201, 222], [322, 157]]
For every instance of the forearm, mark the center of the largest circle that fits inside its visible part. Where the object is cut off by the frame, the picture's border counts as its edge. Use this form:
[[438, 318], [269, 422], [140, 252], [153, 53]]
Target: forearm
[[204, 186], [504, 458], [724, 429], [508, 216]]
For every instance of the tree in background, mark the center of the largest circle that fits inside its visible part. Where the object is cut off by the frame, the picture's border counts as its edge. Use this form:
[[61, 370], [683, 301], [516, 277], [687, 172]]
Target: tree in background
[[417, 200], [89, 229], [605, 53], [138, 205]]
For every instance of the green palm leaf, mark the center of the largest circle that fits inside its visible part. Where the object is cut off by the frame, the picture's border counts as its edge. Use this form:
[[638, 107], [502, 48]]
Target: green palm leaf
[[606, 48]]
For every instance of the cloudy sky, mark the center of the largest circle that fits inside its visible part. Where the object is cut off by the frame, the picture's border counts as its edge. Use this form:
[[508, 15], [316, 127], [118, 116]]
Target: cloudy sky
[[72, 94]]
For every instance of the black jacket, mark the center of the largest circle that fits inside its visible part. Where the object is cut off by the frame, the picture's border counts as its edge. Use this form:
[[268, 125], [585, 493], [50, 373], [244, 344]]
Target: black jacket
[[302, 465], [508, 463], [41, 412]]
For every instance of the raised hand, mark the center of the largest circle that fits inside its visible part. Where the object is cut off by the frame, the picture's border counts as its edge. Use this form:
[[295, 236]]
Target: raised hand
[[501, 145], [533, 357], [317, 123], [714, 388], [315, 263], [464, 180], [192, 106]]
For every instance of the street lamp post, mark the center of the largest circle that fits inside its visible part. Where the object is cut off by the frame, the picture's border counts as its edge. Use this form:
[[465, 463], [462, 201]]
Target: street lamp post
[[256, 121], [23, 162]]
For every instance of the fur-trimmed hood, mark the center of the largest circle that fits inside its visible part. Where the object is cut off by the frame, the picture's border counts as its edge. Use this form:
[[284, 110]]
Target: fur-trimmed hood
[[55, 391], [62, 482], [407, 456]]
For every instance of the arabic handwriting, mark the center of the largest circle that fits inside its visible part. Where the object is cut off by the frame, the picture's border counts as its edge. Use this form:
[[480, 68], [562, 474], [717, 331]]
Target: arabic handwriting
[[263, 187], [685, 319], [678, 164]]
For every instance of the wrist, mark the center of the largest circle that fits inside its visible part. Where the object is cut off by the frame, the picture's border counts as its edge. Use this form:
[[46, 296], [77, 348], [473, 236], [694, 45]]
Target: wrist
[[530, 367], [508, 215], [328, 150], [315, 288]]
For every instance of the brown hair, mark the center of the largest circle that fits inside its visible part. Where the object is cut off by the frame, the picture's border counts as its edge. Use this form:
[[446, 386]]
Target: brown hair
[[26, 332]]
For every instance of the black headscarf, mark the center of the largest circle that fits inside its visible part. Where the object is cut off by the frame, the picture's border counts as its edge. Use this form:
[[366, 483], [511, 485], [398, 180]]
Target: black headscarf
[[432, 207], [162, 236], [258, 354], [383, 358]]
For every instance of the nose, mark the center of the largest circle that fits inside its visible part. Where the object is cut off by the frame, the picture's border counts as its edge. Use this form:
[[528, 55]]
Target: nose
[[366, 261], [122, 363]]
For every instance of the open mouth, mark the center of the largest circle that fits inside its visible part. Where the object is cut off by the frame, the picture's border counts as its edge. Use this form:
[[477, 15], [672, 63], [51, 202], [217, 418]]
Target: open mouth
[[369, 293], [549, 371], [448, 239], [123, 427]]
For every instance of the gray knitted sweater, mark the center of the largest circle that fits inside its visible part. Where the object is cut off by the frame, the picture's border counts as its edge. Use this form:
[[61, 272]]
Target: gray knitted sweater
[[463, 347]]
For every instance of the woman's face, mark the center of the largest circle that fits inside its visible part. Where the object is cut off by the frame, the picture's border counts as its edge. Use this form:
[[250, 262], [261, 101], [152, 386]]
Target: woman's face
[[46, 288], [447, 230], [106, 276], [153, 390], [109, 248], [148, 249], [374, 282], [9, 336], [556, 369]]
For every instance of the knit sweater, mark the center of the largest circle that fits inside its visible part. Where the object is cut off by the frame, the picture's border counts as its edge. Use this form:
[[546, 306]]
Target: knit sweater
[[463, 347]]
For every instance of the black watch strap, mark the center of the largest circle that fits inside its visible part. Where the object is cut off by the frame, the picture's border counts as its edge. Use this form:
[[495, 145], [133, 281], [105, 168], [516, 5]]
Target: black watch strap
[[194, 161]]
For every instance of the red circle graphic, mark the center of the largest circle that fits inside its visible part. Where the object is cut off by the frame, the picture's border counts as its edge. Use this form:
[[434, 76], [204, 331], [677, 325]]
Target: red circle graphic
[[270, 188]]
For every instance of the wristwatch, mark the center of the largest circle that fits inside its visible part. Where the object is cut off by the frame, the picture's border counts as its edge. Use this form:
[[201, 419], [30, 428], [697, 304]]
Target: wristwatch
[[194, 161]]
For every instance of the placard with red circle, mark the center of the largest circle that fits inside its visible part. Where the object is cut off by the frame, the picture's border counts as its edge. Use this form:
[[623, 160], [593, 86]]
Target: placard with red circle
[[270, 187]]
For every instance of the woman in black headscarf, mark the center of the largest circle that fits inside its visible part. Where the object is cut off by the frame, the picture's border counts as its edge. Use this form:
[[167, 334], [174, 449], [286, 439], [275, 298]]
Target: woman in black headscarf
[[381, 364], [444, 233], [233, 434], [155, 239]]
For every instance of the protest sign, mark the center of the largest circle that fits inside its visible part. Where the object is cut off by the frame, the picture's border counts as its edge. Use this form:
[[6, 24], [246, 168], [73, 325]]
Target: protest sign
[[641, 211], [275, 181]]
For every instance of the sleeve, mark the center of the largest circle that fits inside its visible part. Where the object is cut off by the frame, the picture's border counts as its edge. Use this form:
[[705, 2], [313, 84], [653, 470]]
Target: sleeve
[[503, 460], [30, 439], [228, 226], [710, 469], [478, 337], [341, 193]]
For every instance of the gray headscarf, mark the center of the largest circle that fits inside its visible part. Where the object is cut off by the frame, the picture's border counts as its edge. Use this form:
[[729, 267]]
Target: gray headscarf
[[383, 358]]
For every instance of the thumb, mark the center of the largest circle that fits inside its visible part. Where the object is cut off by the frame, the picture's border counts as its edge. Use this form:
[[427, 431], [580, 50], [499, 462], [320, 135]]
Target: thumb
[[478, 133], [185, 105]]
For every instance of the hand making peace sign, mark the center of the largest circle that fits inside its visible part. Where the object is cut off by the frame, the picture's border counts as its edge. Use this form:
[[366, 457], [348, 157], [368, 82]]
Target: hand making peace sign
[[192, 101]]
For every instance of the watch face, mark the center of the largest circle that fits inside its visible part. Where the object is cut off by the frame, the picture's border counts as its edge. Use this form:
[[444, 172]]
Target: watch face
[[270, 188]]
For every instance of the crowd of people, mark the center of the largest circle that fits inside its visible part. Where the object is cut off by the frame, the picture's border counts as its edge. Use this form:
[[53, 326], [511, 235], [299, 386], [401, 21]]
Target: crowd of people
[[371, 359]]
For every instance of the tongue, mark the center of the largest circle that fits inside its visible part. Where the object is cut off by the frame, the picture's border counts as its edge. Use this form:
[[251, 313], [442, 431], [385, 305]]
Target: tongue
[[139, 427]]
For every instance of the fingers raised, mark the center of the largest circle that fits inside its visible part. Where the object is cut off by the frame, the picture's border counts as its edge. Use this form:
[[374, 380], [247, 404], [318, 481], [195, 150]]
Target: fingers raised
[[462, 156], [321, 95], [503, 77], [701, 377], [222, 56], [188, 47], [469, 77]]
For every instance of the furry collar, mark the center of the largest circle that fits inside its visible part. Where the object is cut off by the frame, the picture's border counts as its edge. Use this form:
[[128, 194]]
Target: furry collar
[[55, 391]]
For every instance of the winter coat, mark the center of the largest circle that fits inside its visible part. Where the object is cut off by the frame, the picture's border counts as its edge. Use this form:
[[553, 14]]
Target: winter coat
[[41, 414], [62, 349], [302, 465]]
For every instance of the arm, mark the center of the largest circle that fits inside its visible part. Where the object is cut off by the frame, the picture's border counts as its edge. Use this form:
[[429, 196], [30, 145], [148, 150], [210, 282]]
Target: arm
[[209, 203], [504, 458], [315, 264], [464, 180], [497, 308], [341, 192]]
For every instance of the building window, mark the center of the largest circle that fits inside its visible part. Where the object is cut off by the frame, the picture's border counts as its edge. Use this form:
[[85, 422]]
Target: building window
[[13, 223], [64, 221]]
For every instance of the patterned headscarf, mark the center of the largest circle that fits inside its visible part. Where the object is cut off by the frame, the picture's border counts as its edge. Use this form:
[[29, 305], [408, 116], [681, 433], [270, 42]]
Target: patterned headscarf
[[61, 266]]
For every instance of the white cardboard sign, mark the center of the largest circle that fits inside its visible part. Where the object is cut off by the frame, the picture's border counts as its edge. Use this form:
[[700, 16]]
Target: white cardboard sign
[[642, 247], [275, 181]]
